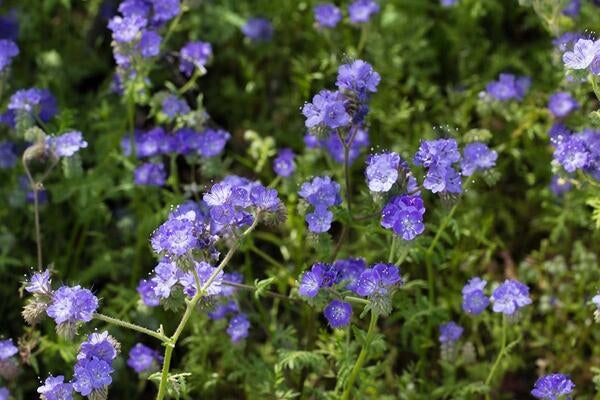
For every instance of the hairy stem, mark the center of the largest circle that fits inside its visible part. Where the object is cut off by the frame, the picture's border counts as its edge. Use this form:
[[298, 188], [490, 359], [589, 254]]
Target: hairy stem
[[361, 357], [171, 342], [128, 325], [500, 354]]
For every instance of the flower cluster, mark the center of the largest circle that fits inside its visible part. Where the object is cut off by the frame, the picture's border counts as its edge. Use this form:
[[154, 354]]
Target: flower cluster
[[284, 164], [258, 29], [143, 360], [335, 147], [321, 193], [438, 156], [576, 151], [562, 104], [404, 216], [474, 299], [477, 156], [67, 144], [552, 386], [509, 297], [8, 51], [38, 103], [508, 87], [382, 171]]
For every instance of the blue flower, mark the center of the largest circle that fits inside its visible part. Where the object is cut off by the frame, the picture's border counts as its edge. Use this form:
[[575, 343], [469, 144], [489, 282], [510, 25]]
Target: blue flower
[[359, 77], [552, 387], [90, 375], [509, 86], [382, 171], [8, 50], [143, 359], [319, 220], [338, 313], [404, 216], [194, 55], [477, 157], [378, 280], [173, 106], [510, 296], [175, 237], [360, 11], [327, 110], [327, 15], [150, 174], [39, 283], [238, 327], [126, 29], [149, 45], [211, 142], [34, 101], [7, 349], [8, 154], [98, 345], [258, 29], [474, 300], [145, 289], [562, 104], [284, 164], [585, 54], [321, 191], [72, 304], [450, 332], [55, 388], [67, 144]]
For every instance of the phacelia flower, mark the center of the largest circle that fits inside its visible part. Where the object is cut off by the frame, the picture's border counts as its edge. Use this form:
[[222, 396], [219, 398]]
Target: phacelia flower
[[327, 110], [227, 201], [359, 77], [223, 310], [448, 3], [349, 271], [321, 191], [173, 106], [510, 296], [211, 142], [404, 216], [165, 10], [382, 171], [72, 304], [552, 387], [7, 349], [572, 153], [204, 271], [91, 375], [126, 29], [8, 50], [265, 199], [450, 332], [8, 154], [55, 388], [39, 283], [378, 280], [573, 8], [149, 45], [146, 291], [258, 29], [67, 144], [99, 345], [585, 54], [5, 394], [477, 156], [327, 15], [238, 327], [319, 220], [194, 55], [175, 237], [508, 87], [474, 300], [360, 11], [320, 275], [34, 101], [560, 185], [143, 359], [338, 313], [562, 104], [284, 164], [566, 41], [150, 174], [438, 156]]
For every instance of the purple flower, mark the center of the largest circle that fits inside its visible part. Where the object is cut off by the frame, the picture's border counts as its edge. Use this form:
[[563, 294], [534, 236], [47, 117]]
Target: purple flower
[[327, 15], [320, 275], [573, 8], [510, 296], [222, 310], [378, 280], [98, 345], [146, 291], [194, 55], [175, 237], [360, 11], [8, 154], [359, 77], [477, 157], [7, 349], [36, 101], [508, 87], [338, 313], [404, 216], [448, 3], [566, 41], [150, 174], [450, 332], [72, 304], [39, 283], [321, 191], [572, 153], [474, 300], [265, 198], [258, 29], [327, 110], [143, 359], [583, 55], [238, 328], [204, 271], [319, 220], [5, 394], [67, 144], [126, 29], [552, 387], [227, 202], [8, 50], [284, 164], [349, 271], [173, 106], [438, 156], [165, 10], [562, 104], [134, 7], [90, 375], [55, 388], [560, 185], [211, 142], [382, 171], [166, 276], [149, 45], [335, 148], [9, 26]]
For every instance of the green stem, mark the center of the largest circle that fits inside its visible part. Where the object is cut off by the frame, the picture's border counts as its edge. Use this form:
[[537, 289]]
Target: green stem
[[500, 354], [191, 305], [364, 33], [357, 300], [361, 357], [174, 174], [191, 82], [265, 256], [128, 325]]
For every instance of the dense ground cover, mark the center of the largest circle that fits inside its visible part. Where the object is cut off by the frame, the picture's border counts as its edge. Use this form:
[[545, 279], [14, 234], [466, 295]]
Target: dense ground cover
[[299, 200]]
